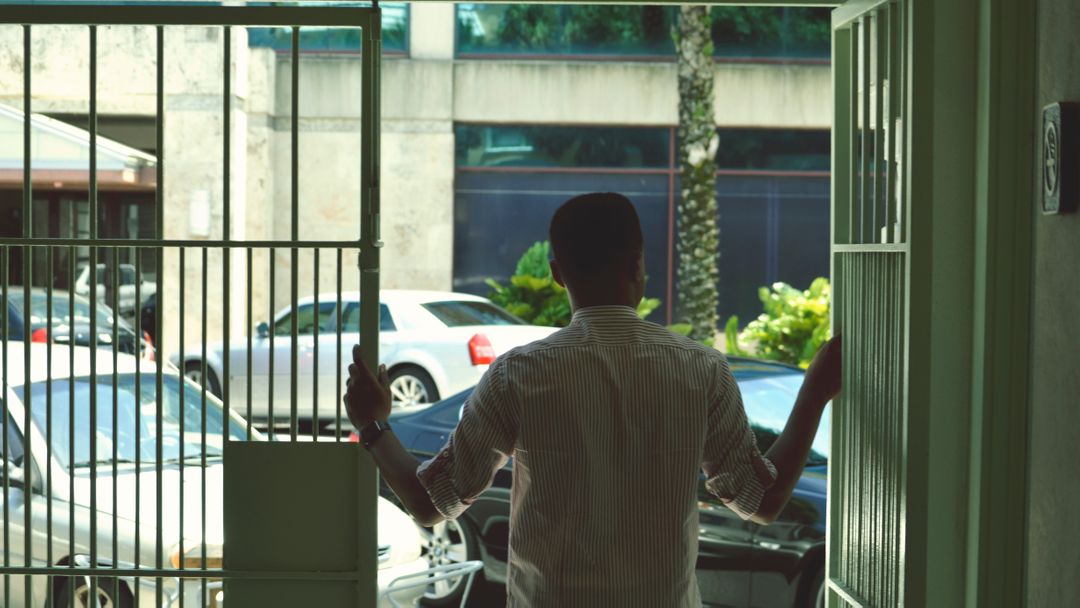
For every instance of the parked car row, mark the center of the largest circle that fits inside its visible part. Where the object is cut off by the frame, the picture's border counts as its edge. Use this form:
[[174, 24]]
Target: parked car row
[[67, 320], [739, 563], [433, 343], [126, 432]]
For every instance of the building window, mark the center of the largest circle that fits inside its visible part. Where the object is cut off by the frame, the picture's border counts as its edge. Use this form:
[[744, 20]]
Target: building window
[[395, 35], [606, 31], [560, 146], [772, 189]]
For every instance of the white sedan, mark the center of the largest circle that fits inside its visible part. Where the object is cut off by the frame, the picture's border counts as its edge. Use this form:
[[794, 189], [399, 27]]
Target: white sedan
[[433, 343], [134, 460]]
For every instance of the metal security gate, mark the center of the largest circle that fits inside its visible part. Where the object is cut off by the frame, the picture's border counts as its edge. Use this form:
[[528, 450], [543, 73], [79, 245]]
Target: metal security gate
[[871, 270], [113, 462]]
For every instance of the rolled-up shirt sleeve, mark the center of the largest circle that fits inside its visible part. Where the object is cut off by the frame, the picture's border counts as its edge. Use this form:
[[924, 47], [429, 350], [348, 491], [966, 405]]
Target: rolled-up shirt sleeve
[[481, 444], [736, 472]]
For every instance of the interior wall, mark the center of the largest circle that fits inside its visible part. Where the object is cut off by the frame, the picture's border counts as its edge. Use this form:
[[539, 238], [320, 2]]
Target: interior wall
[[1054, 494]]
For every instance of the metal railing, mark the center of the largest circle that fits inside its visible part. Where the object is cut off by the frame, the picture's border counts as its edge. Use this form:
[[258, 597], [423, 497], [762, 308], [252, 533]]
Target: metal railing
[[77, 419]]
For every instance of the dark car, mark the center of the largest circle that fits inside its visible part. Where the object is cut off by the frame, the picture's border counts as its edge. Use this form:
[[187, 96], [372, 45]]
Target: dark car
[[68, 327], [739, 563]]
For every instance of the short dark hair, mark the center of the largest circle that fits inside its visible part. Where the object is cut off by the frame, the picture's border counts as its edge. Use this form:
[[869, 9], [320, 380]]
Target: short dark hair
[[594, 233]]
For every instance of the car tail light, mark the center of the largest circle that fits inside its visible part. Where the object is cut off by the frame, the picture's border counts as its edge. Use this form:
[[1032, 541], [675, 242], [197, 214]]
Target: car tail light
[[354, 438], [40, 335], [148, 349], [481, 351]]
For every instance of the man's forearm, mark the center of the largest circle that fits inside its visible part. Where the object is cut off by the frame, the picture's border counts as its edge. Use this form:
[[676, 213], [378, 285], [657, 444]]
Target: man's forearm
[[398, 467], [789, 453]]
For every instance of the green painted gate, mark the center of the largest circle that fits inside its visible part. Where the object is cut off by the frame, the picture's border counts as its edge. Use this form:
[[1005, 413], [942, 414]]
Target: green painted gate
[[871, 270], [63, 540]]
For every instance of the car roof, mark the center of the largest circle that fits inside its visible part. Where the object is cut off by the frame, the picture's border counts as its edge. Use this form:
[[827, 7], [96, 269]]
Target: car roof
[[40, 291], [40, 366], [397, 296]]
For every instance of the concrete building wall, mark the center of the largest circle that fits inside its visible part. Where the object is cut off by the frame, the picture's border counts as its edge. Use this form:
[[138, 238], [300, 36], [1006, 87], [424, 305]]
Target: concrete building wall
[[423, 96], [1054, 494]]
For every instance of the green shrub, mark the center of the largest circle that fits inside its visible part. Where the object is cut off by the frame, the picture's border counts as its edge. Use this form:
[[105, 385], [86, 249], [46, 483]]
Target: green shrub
[[534, 296], [792, 327]]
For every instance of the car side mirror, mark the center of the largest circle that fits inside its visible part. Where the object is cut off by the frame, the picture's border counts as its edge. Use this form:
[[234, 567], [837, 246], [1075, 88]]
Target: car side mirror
[[263, 329], [13, 474]]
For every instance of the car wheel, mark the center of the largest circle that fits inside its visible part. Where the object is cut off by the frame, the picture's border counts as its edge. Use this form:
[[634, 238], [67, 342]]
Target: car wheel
[[411, 385], [815, 591], [193, 371], [109, 593], [448, 542]]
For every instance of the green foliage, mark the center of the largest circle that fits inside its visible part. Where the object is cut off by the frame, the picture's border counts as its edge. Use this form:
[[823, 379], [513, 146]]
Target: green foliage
[[791, 329], [534, 296], [731, 335]]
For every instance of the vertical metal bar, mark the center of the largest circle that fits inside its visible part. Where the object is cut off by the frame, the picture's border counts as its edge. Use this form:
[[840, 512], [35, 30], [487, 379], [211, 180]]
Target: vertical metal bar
[[890, 123], [28, 283], [93, 308], [225, 382], [881, 89], [6, 430], [271, 255], [841, 139], [159, 294], [369, 238], [250, 321], [72, 254], [115, 410], [338, 359], [295, 236], [49, 272], [182, 290], [854, 144], [139, 354], [202, 424], [315, 352], [902, 110], [865, 166]]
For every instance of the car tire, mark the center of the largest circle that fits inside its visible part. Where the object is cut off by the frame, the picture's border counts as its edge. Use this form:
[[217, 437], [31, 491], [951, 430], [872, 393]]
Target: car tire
[[449, 542], [110, 593], [193, 372], [814, 592], [410, 385]]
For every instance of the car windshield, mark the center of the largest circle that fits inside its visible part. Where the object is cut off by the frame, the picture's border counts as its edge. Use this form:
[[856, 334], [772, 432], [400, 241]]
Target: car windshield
[[181, 425], [462, 313], [768, 401], [61, 311]]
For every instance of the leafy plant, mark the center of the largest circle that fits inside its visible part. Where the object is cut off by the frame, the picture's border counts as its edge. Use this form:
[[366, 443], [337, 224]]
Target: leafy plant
[[792, 327], [534, 296]]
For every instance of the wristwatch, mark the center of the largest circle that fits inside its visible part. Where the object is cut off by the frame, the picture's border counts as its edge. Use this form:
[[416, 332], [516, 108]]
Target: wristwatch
[[372, 431]]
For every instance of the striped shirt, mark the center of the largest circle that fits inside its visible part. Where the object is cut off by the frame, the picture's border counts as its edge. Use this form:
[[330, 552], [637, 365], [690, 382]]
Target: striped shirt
[[608, 422]]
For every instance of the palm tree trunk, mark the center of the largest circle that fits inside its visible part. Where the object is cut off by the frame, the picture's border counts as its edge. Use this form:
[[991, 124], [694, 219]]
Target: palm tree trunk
[[698, 233]]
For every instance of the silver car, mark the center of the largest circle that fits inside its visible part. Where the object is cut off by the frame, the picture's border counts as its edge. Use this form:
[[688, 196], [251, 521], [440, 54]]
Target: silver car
[[124, 466]]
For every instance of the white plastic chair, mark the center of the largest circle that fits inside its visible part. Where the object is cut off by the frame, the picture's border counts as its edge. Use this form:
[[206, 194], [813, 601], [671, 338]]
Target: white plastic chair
[[431, 575]]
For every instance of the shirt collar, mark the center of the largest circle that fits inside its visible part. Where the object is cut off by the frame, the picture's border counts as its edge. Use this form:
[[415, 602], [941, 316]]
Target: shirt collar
[[606, 313]]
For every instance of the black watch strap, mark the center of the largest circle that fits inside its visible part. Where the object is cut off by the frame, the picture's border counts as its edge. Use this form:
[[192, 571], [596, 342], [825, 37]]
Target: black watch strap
[[372, 431]]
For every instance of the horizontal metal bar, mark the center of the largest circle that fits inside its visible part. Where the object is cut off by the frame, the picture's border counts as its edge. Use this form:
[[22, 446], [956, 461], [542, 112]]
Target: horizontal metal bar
[[192, 573], [157, 243], [872, 248], [209, 15]]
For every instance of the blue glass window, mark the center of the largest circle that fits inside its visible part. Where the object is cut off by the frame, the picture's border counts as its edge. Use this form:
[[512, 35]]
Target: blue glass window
[[395, 35], [560, 146]]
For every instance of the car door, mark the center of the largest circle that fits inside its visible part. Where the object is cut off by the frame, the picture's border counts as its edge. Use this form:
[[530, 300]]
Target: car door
[[12, 457], [279, 342], [126, 290]]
